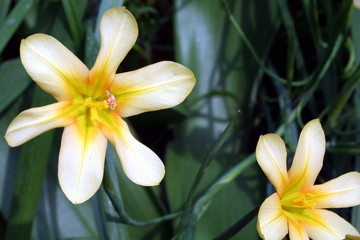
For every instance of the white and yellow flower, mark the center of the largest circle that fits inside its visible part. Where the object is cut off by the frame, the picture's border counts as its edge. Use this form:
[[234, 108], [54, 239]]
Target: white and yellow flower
[[298, 205], [92, 104]]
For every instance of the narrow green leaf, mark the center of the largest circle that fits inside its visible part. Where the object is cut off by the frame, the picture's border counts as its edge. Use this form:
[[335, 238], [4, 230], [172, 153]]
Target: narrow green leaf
[[4, 8], [221, 61], [114, 229], [355, 30], [112, 189], [74, 11], [13, 20], [29, 179], [203, 202], [204, 166], [13, 81], [238, 226]]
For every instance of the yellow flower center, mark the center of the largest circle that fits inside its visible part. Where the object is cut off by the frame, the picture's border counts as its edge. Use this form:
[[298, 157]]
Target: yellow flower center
[[94, 106], [298, 199]]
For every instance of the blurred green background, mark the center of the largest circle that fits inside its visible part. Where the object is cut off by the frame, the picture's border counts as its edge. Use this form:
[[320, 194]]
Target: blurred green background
[[261, 66]]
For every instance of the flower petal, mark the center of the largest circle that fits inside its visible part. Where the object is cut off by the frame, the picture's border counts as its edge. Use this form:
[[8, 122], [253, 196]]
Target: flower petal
[[272, 223], [118, 31], [35, 121], [328, 225], [341, 192], [52, 66], [297, 231], [157, 86], [271, 156], [81, 160], [308, 159], [140, 164]]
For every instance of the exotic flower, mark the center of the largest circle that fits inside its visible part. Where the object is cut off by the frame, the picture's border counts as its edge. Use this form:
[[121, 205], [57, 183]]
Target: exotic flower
[[297, 206], [92, 104]]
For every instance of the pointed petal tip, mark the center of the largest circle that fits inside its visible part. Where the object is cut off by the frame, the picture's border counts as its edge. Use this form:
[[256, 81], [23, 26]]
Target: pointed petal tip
[[271, 157], [309, 154], [140, 164], [157, 86]]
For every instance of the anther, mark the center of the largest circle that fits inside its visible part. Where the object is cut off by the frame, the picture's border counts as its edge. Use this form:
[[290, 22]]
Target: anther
[[111, 101]]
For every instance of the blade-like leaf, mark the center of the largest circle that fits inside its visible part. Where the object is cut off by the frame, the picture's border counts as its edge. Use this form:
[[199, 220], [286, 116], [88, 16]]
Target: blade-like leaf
[[207, 43], [74, 12], [29, 179], [13, 20], [13, 81]]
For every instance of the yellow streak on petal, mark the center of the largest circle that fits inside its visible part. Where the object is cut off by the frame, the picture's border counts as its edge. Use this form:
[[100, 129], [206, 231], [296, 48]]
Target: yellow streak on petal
[[53, 67], [32, 122], [271, 156], [140, 164], [154, 87], [118, 31], [309, 155], [81, 159]]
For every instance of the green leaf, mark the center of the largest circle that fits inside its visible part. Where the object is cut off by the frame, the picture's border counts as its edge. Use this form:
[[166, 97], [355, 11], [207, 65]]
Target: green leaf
[[355, 28], [74, 11], [4, 8], [13, 81], [207, 43], [236, 227], [29, 179], [355, 31], [13, 20], [138, 202]]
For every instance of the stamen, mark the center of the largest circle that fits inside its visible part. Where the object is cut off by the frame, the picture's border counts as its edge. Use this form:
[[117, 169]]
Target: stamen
[[111, 101], [94, 115], [305, 201]]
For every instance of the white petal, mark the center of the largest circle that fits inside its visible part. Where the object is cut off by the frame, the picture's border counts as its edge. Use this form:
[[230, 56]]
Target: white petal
[[157, 86], [297, 232], [35, 121], [272, 223], [81, 161], [53, 67], [118, 31], [140, 164], [329, 226], [271, 156], [309, 155], [341, 192]]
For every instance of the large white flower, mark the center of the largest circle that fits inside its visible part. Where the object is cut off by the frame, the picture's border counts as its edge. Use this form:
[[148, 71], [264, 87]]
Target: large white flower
[[92, 104]]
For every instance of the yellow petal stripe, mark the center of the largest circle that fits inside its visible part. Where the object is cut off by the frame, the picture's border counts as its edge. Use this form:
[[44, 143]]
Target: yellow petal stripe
[[53, 67], [81, 160], [297, 231], [157, 86], [140, 164], [341, 192], [272, 223], [118, 31], [35, 121], [308, 159], [271, 156], [328, 225]]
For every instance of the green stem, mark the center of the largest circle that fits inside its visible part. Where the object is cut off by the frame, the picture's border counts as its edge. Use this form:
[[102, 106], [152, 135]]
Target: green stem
[[118, 204], [204, 166]]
